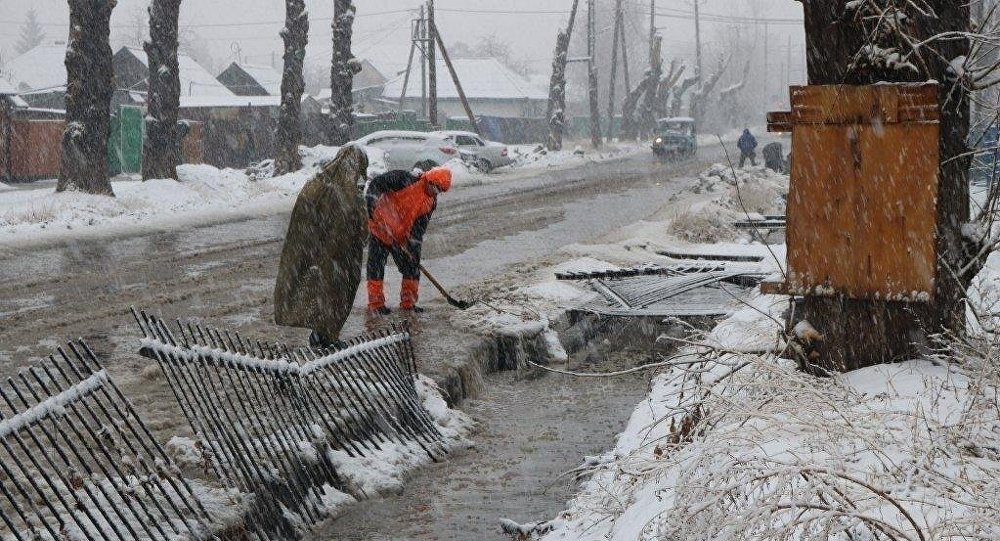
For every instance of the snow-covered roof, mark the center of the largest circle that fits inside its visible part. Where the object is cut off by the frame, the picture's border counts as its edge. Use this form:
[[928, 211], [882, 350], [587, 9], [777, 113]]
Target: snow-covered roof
[[266, 76], [195, 80], [481, 78], [40, 68], [234, 101], [230, 101]]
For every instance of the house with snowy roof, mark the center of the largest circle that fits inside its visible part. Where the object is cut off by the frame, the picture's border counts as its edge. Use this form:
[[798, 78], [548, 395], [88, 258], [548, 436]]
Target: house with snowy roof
[[39, 76], [366, 90], [251, 80], [491, 88], [131, 67]]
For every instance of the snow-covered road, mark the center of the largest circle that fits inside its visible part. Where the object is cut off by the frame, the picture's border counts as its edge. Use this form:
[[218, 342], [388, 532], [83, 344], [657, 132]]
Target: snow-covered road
[[225, 273]]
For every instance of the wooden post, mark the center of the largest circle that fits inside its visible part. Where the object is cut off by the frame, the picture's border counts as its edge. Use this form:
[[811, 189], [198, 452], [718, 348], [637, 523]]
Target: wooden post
[[458, 83]]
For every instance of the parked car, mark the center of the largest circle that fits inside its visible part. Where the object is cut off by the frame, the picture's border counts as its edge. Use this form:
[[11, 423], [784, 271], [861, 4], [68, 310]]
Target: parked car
[[484, 155], [405, 149], [674, 138]]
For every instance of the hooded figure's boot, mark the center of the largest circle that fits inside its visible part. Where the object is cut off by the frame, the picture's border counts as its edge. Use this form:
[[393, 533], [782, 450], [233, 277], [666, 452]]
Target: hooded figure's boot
[[376, 298], [409, 294]]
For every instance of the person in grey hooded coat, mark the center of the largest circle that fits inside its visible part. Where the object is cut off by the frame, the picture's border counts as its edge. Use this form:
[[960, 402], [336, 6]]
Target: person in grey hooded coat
[[322, 258]]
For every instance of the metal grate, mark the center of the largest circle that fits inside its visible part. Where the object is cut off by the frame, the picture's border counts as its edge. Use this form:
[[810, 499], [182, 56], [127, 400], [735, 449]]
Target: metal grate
[[644, 270], [79, 463], [269, 414]]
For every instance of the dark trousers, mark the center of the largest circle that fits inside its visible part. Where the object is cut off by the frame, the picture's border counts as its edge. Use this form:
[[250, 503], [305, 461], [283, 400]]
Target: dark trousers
[[752, 155], [406, 257]]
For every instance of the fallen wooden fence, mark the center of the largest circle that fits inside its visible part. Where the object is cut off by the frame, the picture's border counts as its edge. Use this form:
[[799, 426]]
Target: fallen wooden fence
[[79, 463], [270, 414]]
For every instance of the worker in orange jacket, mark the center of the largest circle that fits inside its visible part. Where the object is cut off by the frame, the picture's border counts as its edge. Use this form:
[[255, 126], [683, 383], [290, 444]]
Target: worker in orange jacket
[[400, 205]]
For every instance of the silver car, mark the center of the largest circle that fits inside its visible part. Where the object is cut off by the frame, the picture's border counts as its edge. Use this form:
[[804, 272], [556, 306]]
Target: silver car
[[485, 155], [405, 149]]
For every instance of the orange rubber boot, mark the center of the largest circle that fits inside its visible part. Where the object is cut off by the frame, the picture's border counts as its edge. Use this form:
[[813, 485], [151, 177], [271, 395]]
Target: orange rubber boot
[[376, 296], [409, 293]]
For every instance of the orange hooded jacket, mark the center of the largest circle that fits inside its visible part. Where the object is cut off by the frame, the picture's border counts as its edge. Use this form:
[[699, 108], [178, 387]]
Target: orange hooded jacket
[[400, 200]]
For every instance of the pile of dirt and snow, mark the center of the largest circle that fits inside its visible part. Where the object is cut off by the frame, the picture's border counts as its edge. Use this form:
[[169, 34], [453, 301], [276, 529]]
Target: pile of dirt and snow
[[744, 446], [538, 157], [723, 195]]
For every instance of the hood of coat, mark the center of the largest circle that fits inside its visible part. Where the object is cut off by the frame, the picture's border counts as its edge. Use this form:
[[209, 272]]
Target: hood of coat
[[350, 164]]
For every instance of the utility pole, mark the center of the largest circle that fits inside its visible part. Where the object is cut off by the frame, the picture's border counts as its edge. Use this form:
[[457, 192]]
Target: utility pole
[[652, 22], [423, 64], [614, 67], [432, 114], [595, 118], [697, 38], [628, 83], [455, 80], [415, 36], [788, 63], [766, 53]]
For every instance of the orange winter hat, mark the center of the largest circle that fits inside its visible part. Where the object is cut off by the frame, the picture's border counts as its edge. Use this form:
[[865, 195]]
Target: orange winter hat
[[440, 177]]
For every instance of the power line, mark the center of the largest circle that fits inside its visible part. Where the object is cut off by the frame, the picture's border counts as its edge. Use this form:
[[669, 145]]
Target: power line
[[224, 25]]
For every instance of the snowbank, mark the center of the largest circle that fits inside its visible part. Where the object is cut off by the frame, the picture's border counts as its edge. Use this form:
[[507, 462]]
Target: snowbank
[[384, 471], [742, 446]]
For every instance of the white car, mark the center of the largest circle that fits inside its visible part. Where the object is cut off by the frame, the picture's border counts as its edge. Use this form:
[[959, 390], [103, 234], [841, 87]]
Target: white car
[[405, 149], [485, 155]]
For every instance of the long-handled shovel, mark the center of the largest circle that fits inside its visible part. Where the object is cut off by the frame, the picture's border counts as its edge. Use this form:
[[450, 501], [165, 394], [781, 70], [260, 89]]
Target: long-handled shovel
[[460, 304]]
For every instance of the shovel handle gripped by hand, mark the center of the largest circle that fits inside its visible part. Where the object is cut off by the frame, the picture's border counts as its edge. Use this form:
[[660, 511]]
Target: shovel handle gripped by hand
[[460, 304]]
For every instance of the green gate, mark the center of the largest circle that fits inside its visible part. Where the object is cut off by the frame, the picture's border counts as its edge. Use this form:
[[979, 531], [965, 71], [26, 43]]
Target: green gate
[[125, 144]]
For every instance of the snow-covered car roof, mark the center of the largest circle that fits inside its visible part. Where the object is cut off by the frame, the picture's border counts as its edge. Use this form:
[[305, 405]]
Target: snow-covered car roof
[[397, 133]]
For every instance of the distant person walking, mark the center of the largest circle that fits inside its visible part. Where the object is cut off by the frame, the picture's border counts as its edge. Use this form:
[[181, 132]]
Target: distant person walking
[[748, 148], [400, 205]]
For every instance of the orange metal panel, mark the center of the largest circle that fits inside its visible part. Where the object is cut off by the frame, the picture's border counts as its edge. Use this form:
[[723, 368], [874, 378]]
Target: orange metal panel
[[863, 195], [36, 150]]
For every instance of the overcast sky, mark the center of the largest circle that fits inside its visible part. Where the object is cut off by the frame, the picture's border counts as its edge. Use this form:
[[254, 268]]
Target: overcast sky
[[382, 28]]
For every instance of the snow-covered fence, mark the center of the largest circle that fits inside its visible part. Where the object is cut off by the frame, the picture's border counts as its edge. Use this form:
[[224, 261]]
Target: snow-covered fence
[[269, 415], [79, 463]]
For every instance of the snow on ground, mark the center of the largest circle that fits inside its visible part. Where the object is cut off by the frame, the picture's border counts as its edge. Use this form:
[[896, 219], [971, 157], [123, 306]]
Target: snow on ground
[[206, 194]]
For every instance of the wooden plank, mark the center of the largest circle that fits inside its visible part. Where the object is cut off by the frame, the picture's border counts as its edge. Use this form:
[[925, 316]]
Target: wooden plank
[[845, 104]]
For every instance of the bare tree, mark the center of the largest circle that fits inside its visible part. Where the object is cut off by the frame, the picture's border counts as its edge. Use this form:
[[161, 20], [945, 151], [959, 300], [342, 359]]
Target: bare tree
[[556, 110], [161, 147], [884, 40], [89, 88], [701, 98], [295, 35], [32, 34], [342, 73]]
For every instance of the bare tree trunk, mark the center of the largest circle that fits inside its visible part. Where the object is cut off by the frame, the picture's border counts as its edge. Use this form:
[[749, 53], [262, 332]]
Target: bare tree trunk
[[295, 35], [89, 88], [556, 110], [161, 149], [342, 73], [647, 113], [861, 333], [677, 96]]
